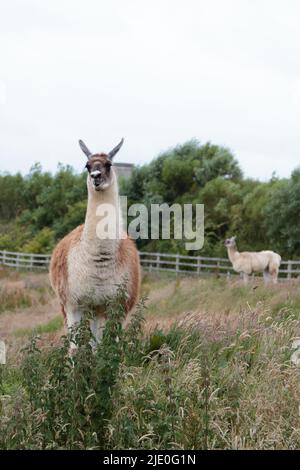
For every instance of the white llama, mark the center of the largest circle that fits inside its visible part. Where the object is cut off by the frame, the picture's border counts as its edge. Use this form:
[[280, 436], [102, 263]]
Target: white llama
[[247, 262], [86, 268]]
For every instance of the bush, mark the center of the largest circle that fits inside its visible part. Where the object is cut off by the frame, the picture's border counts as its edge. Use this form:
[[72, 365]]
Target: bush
[[42, 242], [66, 401], [202, 384]]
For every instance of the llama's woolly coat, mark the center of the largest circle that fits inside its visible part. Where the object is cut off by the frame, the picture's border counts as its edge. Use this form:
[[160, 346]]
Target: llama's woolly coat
[[77, 274], [87, 268], [248, 262]]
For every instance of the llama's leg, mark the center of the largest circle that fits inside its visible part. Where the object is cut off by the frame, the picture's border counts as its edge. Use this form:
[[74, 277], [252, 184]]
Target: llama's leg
[[97, 327], [266, 276], [274, 276], [273, 272], [64, 315], [245, 278], [73, 315]]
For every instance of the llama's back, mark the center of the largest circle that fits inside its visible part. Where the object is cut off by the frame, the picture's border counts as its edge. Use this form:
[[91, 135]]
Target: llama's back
[[259, 261], [274, 258]]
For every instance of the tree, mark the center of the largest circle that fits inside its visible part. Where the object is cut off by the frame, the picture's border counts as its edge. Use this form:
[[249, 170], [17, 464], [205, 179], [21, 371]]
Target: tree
[[282, 216], [12, 196], [219, 163], [222, 201], [182, 170]]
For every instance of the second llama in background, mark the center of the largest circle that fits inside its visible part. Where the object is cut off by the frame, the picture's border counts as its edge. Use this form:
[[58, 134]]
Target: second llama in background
[[248, 262]]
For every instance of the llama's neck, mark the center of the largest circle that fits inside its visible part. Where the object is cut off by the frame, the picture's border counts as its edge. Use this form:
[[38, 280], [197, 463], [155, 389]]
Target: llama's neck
[[103, 222], [232, 253]]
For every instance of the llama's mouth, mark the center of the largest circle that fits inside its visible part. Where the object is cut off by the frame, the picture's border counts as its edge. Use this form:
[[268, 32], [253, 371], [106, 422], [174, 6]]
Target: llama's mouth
[[99, 186], [97, 183]]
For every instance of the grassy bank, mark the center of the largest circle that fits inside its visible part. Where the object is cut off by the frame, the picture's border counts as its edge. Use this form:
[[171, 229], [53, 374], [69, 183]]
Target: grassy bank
[[208, 367]]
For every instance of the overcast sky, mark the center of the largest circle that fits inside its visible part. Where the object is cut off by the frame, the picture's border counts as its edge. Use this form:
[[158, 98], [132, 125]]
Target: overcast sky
[[158, 73]]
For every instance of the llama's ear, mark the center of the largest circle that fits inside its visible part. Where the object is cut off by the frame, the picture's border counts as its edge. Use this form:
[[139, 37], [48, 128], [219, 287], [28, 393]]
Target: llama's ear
[[115, 150], [234, 238], [85, 150]]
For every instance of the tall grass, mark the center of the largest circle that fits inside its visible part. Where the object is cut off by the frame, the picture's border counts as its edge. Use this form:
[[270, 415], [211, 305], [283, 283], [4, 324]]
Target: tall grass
[[12, 299], [19, 297], [201, 384], [55, 324], [66, 399]]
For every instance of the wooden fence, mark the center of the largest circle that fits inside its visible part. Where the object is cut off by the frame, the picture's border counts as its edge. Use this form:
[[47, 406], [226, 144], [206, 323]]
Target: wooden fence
[[204, 265], [29, 261], [196, 265]]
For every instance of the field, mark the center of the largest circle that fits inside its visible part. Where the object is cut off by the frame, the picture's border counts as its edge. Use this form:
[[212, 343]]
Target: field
[[205, 365]]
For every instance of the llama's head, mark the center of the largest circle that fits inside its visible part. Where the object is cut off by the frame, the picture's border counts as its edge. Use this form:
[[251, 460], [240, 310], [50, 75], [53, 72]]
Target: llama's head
[[230, 242], [100, 174]]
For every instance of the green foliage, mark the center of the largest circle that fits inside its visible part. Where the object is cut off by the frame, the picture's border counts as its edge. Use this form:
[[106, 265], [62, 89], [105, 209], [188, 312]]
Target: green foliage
[[222, 200], [42, 242], [220, 380], [282, 215], [74, 216], [53, 325], [67, 399], [12, 192], [218, 163], [13, 236], [38, 209]]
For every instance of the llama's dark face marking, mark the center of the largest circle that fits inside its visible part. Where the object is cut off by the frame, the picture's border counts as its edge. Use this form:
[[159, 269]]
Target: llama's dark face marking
[[100, 173], [230, 242], [99, 166]]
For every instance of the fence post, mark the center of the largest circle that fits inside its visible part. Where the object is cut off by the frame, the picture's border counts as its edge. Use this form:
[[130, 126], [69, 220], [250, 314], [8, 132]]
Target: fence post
[[31, 261], [218, 268], [198, 265], [157, 261], [17, 261], [4, 256], [289, 270], [177, 265]]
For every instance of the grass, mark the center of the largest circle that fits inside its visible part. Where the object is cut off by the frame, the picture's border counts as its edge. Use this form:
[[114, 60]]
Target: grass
[[55, 324], [12, 299], [207, 365], [16, 295]]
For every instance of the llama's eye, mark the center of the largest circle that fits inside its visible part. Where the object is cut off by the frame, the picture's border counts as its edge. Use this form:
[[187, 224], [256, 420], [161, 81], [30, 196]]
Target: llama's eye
[[87, 166], [108, 166]]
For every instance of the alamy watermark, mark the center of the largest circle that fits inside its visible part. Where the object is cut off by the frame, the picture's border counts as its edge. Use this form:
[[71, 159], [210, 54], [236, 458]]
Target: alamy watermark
[[159, 221]]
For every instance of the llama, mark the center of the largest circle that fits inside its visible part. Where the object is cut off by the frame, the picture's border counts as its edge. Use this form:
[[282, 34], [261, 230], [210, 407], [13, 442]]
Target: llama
[[86, 268], [247, 262]]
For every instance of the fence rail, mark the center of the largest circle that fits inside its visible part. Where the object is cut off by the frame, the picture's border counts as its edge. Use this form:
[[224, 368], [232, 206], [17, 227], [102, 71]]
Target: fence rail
[[152, 262]]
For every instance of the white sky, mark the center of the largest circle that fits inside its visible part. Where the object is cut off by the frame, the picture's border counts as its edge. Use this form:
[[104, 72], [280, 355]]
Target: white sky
[[158, 73]]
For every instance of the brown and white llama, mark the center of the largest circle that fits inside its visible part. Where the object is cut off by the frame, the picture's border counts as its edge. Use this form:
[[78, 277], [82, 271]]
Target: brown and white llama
[[86, 268], [248, 262]]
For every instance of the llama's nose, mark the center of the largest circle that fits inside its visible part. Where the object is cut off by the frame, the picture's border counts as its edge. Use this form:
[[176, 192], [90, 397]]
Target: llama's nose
[[95, 174]]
